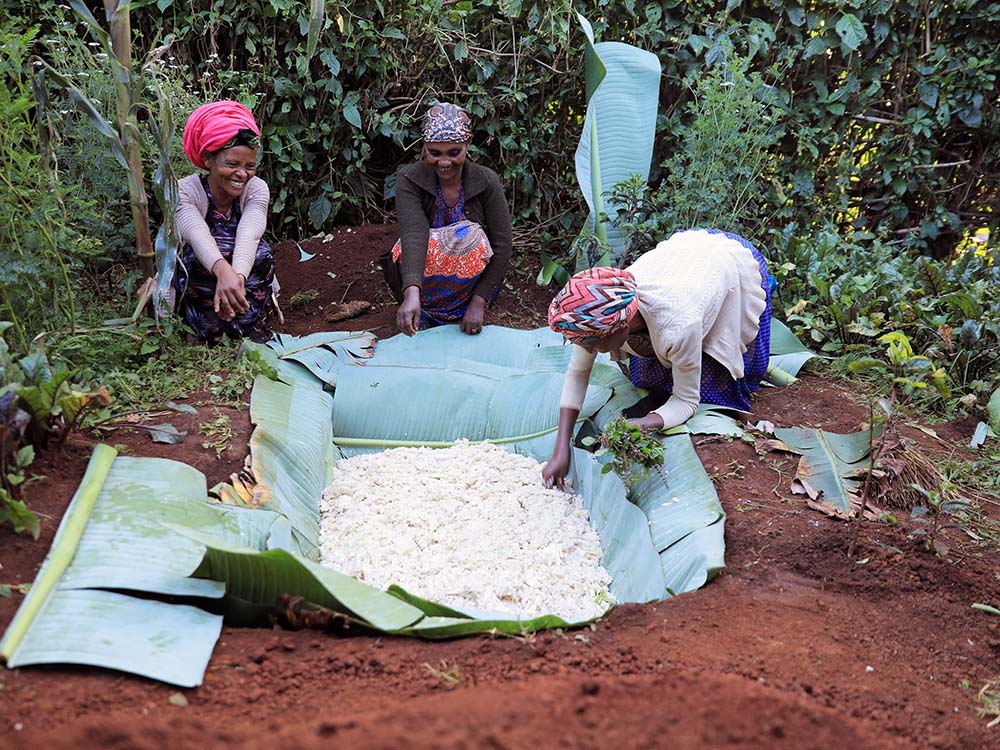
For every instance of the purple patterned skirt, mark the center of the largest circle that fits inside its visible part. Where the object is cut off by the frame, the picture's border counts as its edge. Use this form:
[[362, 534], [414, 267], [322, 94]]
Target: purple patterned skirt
[[717, 386]]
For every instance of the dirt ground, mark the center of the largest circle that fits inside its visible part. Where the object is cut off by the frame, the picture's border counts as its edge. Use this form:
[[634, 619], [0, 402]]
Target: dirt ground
[[793, 646]]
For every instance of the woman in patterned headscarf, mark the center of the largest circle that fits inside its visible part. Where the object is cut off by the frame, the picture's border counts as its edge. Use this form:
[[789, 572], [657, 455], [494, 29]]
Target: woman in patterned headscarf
[[454, 231], [692, 317], [224, 279]]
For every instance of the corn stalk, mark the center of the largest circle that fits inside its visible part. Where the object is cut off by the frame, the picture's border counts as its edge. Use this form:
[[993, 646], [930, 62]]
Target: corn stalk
[[123, 134]]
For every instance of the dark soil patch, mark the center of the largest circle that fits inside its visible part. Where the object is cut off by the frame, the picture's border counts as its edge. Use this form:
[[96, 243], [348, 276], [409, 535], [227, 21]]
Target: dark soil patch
[[792, 646]]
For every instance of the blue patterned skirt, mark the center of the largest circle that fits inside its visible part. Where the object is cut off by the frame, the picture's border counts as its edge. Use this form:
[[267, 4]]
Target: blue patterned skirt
[[717, 386]]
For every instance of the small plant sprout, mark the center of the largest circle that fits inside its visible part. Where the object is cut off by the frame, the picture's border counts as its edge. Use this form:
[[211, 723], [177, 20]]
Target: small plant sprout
[[633, 452], [933, 516]]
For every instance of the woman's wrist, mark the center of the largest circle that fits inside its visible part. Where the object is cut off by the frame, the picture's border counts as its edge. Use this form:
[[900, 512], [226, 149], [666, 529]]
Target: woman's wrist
[[220, 267], [411, 292]]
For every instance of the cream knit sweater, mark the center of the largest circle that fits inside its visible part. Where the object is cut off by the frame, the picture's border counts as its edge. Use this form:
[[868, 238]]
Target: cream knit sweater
[[698, 292], [193, 229]]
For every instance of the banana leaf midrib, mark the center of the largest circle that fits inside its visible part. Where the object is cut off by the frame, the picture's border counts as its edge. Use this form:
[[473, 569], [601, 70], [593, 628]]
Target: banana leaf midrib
[[290, 352]]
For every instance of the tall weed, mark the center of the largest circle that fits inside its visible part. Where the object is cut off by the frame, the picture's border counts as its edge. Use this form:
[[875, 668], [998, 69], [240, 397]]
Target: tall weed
[[720, 174], [42, 253]]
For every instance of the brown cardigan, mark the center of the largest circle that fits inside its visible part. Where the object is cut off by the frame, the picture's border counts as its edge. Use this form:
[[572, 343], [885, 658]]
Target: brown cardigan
[[485, 204]]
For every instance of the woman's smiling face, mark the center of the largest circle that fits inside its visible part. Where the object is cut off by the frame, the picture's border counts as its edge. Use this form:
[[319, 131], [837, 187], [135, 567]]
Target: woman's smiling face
[[446, 159], [229, 170]]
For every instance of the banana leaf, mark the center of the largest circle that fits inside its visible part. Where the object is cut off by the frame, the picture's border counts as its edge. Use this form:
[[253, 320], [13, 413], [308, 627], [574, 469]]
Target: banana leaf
[[681, 501], [787, 352], [623, 86], [116, 534], [387, 406], [323, 354], [261, 577], [291, 454], [447, 347], [167, 642], [829, 463], [993, 409]]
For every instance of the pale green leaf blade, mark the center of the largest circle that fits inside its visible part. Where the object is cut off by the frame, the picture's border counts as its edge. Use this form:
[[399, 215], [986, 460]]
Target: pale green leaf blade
[[438, 405], [993, 409], [168, 642], [594, 69], [260, 577], [323, 354], [629, 555], [619, 126], [828, 462], [787, 352], [291, 453], [685, 502], [447, 347], [695, 560]]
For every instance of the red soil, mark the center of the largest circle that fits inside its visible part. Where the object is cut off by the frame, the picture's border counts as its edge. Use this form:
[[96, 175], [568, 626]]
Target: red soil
[[793, 646]]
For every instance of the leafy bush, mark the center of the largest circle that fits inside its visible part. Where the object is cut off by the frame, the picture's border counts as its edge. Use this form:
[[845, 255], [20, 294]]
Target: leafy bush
[[843, 293], [892, 133], [719, 175], [41, 252]]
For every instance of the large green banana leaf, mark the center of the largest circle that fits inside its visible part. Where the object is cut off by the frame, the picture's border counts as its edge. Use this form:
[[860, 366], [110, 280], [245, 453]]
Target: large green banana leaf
[[787, 352], [623, 86], [167, 642], [291, 454], [117, 534], [323, 354]]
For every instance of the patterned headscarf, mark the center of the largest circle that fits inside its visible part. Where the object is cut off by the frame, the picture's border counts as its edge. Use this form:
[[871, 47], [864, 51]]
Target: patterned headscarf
[[215, 126], [447, 123], [594, 303]]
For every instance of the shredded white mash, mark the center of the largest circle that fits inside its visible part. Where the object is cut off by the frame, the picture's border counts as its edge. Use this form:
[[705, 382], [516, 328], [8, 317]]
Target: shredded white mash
[[470, 526]]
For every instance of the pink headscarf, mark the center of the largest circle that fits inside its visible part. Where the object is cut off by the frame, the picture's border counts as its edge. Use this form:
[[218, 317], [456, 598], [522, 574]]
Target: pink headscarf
[[212, 126], [594, 303]]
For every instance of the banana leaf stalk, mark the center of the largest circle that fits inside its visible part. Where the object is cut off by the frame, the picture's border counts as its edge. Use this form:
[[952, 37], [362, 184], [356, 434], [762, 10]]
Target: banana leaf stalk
[[63, 548]]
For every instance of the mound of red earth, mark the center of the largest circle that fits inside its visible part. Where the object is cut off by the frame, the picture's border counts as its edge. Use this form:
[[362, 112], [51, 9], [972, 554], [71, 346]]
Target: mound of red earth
[[794, 645]]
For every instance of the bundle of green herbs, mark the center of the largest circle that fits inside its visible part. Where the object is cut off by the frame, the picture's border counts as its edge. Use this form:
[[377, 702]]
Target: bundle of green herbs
[[633, 452]]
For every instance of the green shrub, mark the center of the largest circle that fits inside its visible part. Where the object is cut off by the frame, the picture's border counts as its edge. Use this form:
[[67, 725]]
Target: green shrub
[[42, 253], [720, 173]]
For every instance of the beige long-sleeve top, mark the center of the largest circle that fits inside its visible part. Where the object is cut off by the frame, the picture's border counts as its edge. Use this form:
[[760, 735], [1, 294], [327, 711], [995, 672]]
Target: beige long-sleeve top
[[697, 292], [193, 229]]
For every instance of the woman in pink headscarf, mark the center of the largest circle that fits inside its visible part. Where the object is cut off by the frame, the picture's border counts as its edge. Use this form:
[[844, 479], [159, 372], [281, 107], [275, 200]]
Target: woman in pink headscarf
[[226, 272]]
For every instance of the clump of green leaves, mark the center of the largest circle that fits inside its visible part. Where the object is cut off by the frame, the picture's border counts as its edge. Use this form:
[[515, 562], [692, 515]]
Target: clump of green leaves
[[633, 452], [718, 176], [302, 299], [911, 373], [218, 433]]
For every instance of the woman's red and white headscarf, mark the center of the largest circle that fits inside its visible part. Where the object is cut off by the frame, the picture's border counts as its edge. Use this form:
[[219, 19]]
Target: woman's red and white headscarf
[[212, 126], [594, 303]]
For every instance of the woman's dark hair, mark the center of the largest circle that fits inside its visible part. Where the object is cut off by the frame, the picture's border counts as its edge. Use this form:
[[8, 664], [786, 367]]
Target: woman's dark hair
[[244, 137]]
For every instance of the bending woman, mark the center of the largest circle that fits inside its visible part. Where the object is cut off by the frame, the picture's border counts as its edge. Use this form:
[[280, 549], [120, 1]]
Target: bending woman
[[226, 272], [454, 231], [693, 316]]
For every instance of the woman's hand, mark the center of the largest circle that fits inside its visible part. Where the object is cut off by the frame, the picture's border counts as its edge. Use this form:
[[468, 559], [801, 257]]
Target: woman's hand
[[649, 423], [472, 321], [230, 291], [554, 472], [408, 314]]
